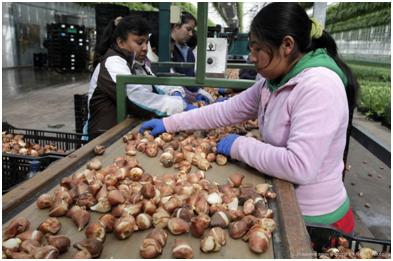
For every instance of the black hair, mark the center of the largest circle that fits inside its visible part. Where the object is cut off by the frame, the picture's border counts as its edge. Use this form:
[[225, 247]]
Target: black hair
[[153, 39], [127, 25], [185, 17], [192, 43], [277, 20]]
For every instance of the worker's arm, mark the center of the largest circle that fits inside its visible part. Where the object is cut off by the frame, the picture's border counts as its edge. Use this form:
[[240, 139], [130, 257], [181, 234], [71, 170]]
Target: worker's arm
[[239, 108], [143, 95], [170, 90]]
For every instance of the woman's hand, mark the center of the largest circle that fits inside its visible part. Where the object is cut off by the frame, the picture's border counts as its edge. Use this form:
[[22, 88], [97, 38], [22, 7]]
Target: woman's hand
[[189, 107], [225, 144], [155, 125], [203, 98]]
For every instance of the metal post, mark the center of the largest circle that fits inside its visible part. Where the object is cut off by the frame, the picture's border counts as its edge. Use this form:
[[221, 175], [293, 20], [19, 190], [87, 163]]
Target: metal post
[[201, 36], [164, 34], [319, 12], [121, 101]]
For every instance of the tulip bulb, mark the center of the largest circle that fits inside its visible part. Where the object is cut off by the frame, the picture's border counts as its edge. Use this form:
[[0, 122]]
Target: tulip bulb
[[220, 219], [15, 227], [45, 201], [91, 245], [366, 253], [82, 254], [161, 218], [99, 149], [182, 249], [214, 198], [267, 223], [94, 164], [96, 231], [80, 216], [237, 229], [236, 179], [108, 222], [115, 197], [124, 227], [62, 243], [167, 159], [262, 188], [158, 234], [199, 224], [31, 234], [221, 160], [50, 225], [135, 173], [102, 206], [131, 149], [186, 213], [258, 240], [12, 244], [150, 248], [46, 252], [248, 206], [149, 207], [213, 240], [144, 221], [178, 226]]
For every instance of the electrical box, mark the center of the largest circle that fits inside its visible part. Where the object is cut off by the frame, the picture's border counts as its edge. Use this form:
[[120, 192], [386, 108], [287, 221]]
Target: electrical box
[[216, 57]]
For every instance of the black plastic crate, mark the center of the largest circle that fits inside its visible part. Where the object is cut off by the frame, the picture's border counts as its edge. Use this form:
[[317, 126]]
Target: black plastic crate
[[81, 111], [15, 167], [325, 237], [63, 140]]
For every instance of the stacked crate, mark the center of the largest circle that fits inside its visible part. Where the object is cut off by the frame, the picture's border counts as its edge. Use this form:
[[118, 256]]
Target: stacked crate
[[67, 47]]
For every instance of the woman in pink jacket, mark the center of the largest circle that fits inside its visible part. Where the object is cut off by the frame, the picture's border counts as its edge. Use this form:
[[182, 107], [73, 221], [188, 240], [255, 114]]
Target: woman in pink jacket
[[303, 106]]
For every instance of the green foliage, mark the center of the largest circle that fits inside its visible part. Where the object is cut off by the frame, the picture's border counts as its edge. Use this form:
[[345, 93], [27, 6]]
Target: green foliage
[[351, 16], [375, 99], [370, 73], [345, 11], [377, 18]]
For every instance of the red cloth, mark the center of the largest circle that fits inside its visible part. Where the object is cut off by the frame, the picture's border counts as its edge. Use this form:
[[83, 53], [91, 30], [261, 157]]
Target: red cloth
[[346, 223]]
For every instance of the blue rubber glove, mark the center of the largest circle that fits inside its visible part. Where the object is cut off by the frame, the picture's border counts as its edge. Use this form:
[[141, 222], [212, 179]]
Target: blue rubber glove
[[221, 99], [203, 98], [225, 144], [177, 94], [156, 125], [190, 107], [222, 91]]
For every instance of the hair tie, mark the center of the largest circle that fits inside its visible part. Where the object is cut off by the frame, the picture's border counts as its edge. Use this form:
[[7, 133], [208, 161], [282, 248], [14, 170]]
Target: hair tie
[[117, 20], [316, 28]]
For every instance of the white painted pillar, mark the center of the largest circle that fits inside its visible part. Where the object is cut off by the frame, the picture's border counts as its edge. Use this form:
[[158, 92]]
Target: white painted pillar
[[319, 12]]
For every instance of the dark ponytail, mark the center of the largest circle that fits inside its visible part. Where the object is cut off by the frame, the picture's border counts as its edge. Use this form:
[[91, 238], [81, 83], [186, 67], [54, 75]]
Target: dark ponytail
[[352, 89], [326, 41], [127, 25]]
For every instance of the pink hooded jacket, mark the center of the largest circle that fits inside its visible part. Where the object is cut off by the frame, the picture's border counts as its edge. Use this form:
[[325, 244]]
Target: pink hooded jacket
[[303, 125]]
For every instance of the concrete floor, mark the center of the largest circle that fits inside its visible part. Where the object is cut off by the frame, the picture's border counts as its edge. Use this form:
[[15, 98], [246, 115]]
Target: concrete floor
[[43, 100]]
